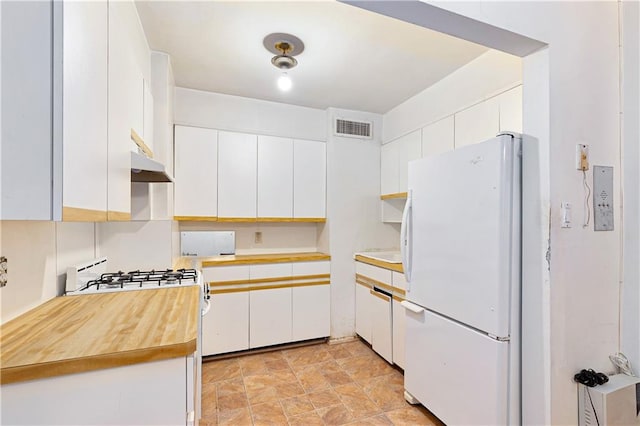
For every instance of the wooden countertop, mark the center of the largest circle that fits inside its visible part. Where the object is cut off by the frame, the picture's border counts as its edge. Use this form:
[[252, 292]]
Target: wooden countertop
[[248, 259], [378, 262], [72, 334]]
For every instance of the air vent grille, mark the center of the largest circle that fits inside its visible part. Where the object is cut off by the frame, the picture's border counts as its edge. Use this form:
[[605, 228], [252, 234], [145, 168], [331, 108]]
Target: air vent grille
[[354, 129]]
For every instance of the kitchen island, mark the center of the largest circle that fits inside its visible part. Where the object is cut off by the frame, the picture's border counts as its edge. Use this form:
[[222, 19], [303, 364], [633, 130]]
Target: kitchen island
[[108, 358]]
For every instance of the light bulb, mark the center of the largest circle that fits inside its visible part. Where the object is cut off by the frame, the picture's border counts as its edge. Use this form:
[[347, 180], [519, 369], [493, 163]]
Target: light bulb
[[284, 82]]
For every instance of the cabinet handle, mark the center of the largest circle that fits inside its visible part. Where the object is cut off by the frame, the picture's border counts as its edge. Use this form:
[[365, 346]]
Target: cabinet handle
[[379, 295], [411, 307], [405, 240]]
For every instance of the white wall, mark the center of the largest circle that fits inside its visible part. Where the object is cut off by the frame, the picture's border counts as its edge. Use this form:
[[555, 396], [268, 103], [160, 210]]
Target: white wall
[[136, 245], [630, 344], [234, 113], [580, 75], [38, 254], [487, 75], [353, 212]]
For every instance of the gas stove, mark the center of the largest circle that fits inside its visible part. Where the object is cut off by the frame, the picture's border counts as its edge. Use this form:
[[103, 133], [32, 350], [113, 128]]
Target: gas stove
[[92, 277]]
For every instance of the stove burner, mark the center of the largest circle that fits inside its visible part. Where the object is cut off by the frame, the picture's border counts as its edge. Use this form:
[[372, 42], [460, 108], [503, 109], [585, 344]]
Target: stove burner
[[139, 279]]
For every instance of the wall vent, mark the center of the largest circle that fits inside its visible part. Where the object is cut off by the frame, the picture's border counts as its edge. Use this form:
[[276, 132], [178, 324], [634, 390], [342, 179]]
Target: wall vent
[[353, 129]]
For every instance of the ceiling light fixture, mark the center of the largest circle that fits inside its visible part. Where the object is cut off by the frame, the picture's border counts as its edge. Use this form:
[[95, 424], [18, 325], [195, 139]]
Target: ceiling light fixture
[[285, 46]]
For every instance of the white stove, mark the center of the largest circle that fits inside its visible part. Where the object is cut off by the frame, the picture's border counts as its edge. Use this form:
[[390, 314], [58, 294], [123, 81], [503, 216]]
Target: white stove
[[92, 277]]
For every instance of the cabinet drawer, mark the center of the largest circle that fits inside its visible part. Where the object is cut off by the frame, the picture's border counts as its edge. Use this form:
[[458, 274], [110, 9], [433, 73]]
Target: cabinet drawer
[[311, 268], [270, 270], [373, 272], [226, 273]]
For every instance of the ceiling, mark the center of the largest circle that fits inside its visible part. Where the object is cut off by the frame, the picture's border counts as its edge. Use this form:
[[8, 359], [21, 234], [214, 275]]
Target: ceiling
[[353, 58]]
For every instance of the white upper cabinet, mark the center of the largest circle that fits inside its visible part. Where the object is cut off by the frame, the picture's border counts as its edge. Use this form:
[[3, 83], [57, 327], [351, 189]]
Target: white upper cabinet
[[438, 137], [196, 172], [395, 157], [54, 115], [123, 78], [389, 172], [309, 179], [410, 149], [237, 175], [275, 177], [477, 123], [84, 115], [510, 104]]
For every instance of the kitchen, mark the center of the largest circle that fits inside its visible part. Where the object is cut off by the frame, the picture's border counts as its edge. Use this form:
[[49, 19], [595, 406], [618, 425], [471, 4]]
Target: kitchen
[[353, 218]]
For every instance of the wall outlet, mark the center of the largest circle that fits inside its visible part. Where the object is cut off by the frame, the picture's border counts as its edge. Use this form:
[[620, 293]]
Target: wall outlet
[[258, 237], [566, 215], [3, 271], [582, 157]]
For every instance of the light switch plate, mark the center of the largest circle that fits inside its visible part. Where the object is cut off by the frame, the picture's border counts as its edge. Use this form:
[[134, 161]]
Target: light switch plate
[[602, 198]]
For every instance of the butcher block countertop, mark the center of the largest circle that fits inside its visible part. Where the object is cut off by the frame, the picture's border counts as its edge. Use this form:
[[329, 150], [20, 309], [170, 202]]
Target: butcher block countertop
[[248, 259], [393, 266], [73, 334]]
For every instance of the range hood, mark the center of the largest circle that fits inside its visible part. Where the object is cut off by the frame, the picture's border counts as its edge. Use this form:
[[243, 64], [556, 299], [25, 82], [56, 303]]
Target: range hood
[[144, 169]]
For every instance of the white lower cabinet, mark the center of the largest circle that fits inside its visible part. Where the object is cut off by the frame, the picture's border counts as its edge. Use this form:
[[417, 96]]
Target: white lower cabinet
[[269, 317], [379, 316], [245, 316], [149, 393], [363, 315], [311, 308], [226, 327], [381, 337], [399, 324]]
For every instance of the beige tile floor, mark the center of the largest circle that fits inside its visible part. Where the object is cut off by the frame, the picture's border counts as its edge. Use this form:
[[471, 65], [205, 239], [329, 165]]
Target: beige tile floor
[[321, 384]]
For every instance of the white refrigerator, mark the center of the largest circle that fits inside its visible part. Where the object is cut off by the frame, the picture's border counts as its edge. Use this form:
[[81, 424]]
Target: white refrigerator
[[461, 253]]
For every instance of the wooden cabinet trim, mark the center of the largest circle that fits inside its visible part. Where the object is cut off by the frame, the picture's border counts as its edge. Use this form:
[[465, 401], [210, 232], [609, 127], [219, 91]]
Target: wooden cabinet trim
[[75, 214], [380, 263], [268, 280], [370, 282], [251, 259], [140, 142], [118, 216], [268, 287], [380, 295], [393, 196], [196, 218]]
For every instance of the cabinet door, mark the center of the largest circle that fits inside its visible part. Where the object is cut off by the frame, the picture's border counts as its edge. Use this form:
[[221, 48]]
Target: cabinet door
[[363, 312], [438, 137], [122, 76], [477, 123], [84, 113], [311, 312], [270, 317], [147, 115], [309, 179], [410, 148], [381, 339], [196, 172], [398, 332], [275, 177], [226, 327], [511, 110], [237, 175], [389, 168]]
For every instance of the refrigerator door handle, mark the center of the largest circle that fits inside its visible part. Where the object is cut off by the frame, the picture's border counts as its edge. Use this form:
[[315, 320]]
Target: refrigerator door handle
[[411, 307], [405, 240]]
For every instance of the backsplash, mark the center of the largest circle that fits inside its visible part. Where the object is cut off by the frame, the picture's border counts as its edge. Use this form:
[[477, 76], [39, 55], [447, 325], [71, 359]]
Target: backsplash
[[274, 237]]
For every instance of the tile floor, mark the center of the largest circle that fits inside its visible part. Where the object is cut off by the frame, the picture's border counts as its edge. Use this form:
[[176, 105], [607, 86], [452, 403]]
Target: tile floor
[[321, 384]]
